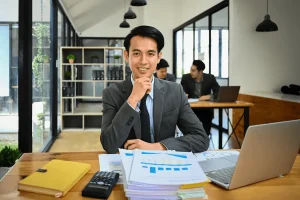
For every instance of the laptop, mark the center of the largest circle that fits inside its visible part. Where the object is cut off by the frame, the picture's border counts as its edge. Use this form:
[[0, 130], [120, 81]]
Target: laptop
[[227, 94], [268, 151]]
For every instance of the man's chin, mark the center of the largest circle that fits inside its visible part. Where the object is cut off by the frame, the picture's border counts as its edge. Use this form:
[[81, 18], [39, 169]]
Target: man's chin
[[144, 75]]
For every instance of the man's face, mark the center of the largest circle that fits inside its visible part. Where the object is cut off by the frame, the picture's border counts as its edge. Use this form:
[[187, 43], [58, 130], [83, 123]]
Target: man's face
[[161, 73], [194, 72], [142, 56]]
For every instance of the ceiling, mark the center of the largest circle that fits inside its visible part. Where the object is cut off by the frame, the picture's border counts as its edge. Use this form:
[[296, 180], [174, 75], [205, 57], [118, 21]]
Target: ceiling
[[84, 14]]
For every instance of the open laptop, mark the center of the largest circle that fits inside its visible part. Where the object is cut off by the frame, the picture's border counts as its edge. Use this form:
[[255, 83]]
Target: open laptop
[[268, 151], [227, 94]]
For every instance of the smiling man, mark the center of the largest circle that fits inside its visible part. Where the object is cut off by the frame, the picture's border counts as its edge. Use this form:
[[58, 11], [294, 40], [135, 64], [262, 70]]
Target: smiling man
[[142, 111]]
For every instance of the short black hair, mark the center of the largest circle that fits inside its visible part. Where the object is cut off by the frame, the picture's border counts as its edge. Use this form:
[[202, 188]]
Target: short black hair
[[199, 64], [162, 64], [145, 31]]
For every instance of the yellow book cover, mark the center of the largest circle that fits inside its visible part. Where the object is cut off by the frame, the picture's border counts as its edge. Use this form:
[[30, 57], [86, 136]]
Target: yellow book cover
[[194, 185], [55, 178]]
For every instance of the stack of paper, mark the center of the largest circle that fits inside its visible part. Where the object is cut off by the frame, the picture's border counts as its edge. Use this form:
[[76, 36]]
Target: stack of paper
[[162, 175]]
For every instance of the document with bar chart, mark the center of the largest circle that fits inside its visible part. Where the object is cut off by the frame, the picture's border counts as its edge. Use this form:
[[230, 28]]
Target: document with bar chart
[[166, 168]]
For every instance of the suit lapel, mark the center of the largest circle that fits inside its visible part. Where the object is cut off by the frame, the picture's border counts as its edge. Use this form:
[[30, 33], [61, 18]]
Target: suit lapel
[[158, 103], [127, 88]]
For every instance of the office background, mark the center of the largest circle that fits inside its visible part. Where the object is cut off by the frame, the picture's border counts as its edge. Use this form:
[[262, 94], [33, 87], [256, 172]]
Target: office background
[[260, 62]]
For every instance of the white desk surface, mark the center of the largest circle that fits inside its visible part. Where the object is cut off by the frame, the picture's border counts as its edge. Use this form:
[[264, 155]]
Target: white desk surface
[[279, 96]]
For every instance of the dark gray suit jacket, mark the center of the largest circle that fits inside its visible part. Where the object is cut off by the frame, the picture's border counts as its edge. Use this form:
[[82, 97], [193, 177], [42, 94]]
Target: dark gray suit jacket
[[169, 77], [170, 108], [209, 83]]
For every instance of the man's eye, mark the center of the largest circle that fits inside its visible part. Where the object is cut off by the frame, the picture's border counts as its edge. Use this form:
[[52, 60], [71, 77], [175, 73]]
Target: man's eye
[[136, 54]]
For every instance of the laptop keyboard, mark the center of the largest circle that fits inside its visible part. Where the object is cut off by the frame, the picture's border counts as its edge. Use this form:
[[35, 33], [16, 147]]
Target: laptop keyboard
[[222, 175]]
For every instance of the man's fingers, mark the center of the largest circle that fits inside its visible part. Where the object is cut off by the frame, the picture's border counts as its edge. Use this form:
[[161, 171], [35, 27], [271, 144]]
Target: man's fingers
[[128, 142], [132, 146]]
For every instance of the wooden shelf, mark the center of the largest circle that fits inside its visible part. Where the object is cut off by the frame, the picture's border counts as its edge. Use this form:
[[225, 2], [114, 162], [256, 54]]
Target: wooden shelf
[[78, 81], [98, 62], [82, 97]]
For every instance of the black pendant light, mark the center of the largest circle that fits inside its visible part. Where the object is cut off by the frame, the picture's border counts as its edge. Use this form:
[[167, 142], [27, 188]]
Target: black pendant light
[[267, 25], [130, 14], [138, 2], [124, 24]]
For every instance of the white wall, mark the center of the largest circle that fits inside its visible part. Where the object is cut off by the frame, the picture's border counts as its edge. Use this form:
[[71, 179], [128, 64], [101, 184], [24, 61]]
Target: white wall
[[164, 15], [263, 62], [9, 10]]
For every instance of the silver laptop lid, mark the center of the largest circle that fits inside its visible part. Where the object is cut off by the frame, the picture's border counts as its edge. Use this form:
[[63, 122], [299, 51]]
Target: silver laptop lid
[[268, 151]]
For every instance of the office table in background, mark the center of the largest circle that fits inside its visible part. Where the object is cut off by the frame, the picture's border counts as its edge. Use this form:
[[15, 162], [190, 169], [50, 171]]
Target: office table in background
[[287, 187], [221, 106]]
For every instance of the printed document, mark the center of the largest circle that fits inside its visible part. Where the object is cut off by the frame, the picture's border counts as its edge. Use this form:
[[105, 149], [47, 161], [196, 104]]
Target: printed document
[[166, 168]]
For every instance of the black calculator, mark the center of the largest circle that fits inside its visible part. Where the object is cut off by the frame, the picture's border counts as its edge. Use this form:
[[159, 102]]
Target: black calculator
[[101, 185]]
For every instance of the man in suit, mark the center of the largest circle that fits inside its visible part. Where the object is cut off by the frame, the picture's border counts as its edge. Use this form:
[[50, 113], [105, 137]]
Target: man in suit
[[199, 85], [161, 71], [142, 111]]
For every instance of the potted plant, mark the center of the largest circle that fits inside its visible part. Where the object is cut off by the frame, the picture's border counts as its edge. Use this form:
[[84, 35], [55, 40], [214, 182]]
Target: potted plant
[[71, 58], [117, 57], [8, 157], [67, 75], [95, 59], [46, 59]]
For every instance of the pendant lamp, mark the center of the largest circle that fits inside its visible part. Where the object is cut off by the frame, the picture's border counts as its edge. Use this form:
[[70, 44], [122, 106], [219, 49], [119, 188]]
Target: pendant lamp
[[267, 25], [124, 24], [138, 2], [130, 14]]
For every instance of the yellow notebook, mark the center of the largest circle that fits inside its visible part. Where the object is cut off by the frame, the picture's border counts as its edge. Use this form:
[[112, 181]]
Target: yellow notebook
[[59, 177]]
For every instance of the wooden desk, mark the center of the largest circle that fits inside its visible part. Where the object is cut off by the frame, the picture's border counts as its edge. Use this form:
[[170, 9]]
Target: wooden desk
[[221, 106], [273, 189]]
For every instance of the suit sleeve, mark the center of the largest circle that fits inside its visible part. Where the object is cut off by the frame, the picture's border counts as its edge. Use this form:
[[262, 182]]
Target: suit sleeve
[[116, 123], [215, 87], [184, 83], [195, 139], [172, 78]]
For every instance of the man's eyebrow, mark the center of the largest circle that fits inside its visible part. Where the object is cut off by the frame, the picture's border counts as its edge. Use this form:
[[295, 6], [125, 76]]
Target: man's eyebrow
[[149, 51]]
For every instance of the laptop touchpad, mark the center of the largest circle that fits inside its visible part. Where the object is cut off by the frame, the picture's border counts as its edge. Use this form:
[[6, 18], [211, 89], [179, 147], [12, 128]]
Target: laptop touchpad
[[218, 163]]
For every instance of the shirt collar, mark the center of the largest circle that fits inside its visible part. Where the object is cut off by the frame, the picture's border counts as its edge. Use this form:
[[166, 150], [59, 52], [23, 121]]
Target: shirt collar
[[151, 94]]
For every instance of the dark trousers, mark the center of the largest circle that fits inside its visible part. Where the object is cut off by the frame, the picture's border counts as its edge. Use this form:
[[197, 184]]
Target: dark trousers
[[205, 116]]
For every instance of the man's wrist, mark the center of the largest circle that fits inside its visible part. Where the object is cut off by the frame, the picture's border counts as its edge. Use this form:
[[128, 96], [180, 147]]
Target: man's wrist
[[132, 102], [160, 146]]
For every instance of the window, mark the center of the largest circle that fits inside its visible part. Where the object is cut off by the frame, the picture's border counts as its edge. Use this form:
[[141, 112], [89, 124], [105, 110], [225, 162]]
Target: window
[[9, 83], [41, 133], [200, 40]]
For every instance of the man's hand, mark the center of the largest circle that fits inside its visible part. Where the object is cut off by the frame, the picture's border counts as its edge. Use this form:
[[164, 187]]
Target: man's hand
[[204, 98], [140, 88], [140, 144]]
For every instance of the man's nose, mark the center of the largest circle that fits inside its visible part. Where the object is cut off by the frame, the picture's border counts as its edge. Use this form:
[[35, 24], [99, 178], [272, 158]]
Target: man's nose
[[143, 59]]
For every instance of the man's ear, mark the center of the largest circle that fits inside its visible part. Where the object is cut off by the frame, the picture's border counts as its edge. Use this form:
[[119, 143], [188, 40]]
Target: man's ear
[[159, 57], [126, 55]]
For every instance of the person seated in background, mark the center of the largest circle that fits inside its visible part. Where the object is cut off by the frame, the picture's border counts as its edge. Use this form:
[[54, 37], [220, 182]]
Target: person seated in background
[[199, 85], [142, 111], [161, 71]]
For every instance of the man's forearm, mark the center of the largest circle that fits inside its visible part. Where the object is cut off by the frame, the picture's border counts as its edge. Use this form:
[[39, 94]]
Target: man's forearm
[[116, 127]]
